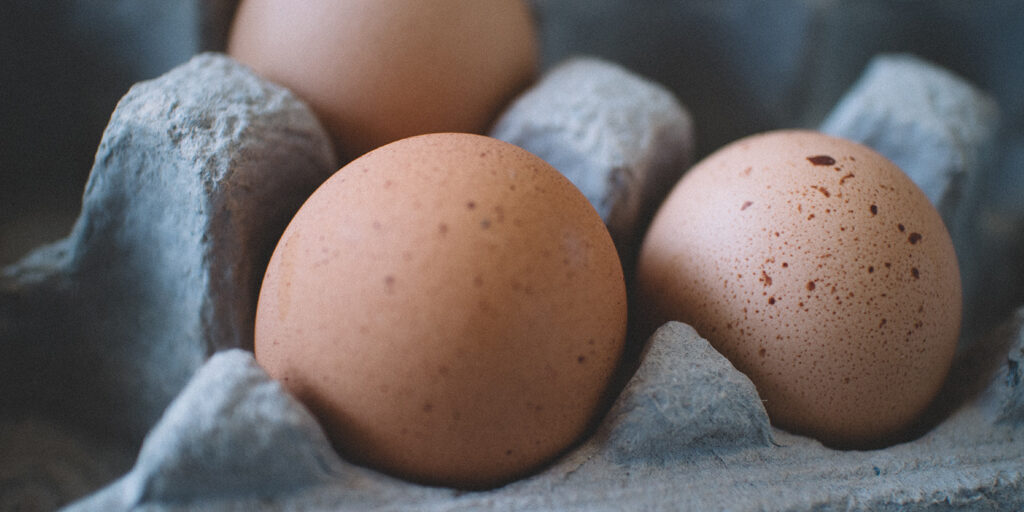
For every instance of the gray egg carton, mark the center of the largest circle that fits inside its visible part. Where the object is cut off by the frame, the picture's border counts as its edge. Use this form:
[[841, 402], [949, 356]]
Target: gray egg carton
[[126, 346]]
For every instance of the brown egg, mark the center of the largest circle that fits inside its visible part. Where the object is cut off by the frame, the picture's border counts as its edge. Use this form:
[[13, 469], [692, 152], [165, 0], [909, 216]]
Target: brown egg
[[376, 71], [450, 307], [821, 271]]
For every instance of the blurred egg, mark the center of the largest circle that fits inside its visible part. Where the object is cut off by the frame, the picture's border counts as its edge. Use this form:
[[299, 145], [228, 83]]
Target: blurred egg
[[821, 271], [376, 71], [450, 307]]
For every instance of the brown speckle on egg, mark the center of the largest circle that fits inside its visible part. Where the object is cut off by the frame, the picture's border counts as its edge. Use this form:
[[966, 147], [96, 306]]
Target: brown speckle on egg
[[821, 160]]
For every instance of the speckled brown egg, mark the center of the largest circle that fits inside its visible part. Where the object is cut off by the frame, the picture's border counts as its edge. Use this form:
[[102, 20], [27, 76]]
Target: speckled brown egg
[[376, 71], [821, 271], [449, 306]]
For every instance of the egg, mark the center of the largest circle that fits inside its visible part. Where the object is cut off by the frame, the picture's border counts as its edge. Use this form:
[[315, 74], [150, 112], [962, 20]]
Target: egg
[[821, 271], [375, 71], [449, 306]]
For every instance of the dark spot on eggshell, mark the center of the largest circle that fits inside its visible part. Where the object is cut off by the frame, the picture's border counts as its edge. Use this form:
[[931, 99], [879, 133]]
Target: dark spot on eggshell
[[442, 229], [901, 227], [914, 238], [581, 359], [470, 205], [842, 180], [427, 407], [762, 352], [389, 281], [874, 209], [914, 272], [810, 286], [746, 204], [871, 270], [823, 190], [821, 160], [486, 223], [765, 278], [771, 300]]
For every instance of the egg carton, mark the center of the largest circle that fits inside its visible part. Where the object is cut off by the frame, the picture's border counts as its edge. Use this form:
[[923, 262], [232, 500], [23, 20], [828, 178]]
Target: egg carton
[[132, 335]]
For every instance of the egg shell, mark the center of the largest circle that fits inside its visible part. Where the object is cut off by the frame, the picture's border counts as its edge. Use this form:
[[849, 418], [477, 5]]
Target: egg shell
[[450, 307], [821, 271], [376, 71]]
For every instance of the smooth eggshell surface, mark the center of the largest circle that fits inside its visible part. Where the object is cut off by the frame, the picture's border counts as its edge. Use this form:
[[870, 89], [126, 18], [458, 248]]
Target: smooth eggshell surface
[[450, 307], [376, 71], [821, 271]]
